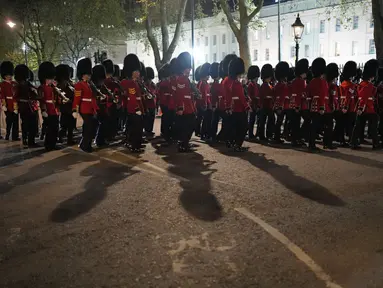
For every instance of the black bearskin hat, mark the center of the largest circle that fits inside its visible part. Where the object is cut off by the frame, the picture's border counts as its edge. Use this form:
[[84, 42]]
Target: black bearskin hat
[[98, 73], [149, 73], [318, 67], [131, 64], [225, 64], [62, 72], [71, 72], [84, 67], [310, 75], [214, 70], [174, 68], [236, 67], [282, 71], [380, 75], [6, 69], [302, 67], [109, 66], [117, 72], [197, 74], [205, 69], [46, 71], [31, 75], [349, 70], [142, 70], [184, 61], [164, 72], [332, 72], [22, 73], [221, 73], [267, 71], [291, 74], [370, 69], [253, 72]]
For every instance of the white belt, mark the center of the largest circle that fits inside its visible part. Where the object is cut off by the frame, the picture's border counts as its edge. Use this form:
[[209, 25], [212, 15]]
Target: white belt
[[269, 97], [370, 98], [167, 94], [138, 98], [256, 97], [343, 97], [187, 97], [326, 97], [315, 97], [235, 98], [308, 98], [293, 94], [9, 98], [86, 100], [49, 101], [219, 97], [128, 98], [24, 100], [352, 97], [287, 97]]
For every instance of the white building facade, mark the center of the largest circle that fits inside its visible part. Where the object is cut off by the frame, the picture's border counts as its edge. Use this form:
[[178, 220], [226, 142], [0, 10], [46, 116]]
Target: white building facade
[[324, 36]]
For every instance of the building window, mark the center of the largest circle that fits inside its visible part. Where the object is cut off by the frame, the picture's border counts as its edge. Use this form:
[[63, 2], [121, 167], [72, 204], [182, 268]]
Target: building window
[[267, 54], [355, 22], [321, 48], [198, 42], [292, 52], [206, 57], [308, 28], [322, 26], [224, 39], [255, 55], [223, 55], [206, 41], [337, 49], [267, 33], [256, 35], [371, 49], [354, 49], [214, 40], [307, 50], [215, 57], [337, 25], [372, 22], [232, 38]]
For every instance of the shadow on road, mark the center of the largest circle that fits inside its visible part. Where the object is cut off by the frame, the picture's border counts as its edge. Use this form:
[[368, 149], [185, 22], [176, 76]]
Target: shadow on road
[[196, 172], [95, 190], [20, 155]]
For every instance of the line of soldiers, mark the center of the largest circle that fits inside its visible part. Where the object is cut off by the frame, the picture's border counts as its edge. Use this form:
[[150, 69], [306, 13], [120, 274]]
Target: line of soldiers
[[296, 105]]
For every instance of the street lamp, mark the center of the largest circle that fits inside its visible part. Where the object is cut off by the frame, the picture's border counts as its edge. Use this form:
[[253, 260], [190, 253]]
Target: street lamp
[[12, 25], [298, 30]]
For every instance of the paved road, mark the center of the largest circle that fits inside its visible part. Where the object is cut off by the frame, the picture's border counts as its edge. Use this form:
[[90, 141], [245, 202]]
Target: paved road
[[271, 217]]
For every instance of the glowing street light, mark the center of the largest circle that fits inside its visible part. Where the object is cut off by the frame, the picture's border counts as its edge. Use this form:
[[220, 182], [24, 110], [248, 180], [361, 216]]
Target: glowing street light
[[11, 24]]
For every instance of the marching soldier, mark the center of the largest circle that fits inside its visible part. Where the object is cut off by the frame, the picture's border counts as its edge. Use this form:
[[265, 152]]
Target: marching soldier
[[239, 103], [282, 101], [330, 101], [49, 104], [205, 102], [266, 93], [366, 105], [299, 104], [67, 122], [379, 84], [27, 98], [318, 91], [164, 90], [184, 103], [9, 101], [171, 131], [198, 103], [217, 99], [133, 99], [85, 103], [150, 102], [253, 92]]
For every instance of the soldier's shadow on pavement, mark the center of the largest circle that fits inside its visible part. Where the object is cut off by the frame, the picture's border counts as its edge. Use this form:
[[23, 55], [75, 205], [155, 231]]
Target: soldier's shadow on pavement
[[95, 190], [20, 155], [195, 173], [355, 159], [48, 168], [291, 181]]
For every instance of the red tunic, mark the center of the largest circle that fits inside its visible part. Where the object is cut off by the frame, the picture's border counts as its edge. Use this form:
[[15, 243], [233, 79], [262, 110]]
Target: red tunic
[[48, 102], [253, 92], [163, 92], [8, 95], [367, 93], [282, 99], [184, 99], [151, 103], [239, 103], [132, 96], [266, 95], [298, 98], [204, 88], [333, 92], [172, 94], [318, 92], [217, 95], [84, 100], [348, 96], [227, 83]]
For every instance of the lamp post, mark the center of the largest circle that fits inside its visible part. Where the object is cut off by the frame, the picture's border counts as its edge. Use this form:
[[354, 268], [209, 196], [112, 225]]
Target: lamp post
[[12, 25], [298, 30], [192, 36]]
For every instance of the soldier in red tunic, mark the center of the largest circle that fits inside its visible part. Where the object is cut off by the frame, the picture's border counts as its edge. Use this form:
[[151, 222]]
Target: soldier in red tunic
[[281, 96], [164, 90], [266, 93], [150, 102], [171, 130], [85, 103], [366, 110], [9, 101], [299, 105], [253, 92], [134, 101], [379, 85], [217, 99], [239, 106], [184, 103], [204, 89]]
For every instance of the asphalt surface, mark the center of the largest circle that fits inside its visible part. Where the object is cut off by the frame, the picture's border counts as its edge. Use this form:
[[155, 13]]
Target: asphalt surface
[[270, 217]]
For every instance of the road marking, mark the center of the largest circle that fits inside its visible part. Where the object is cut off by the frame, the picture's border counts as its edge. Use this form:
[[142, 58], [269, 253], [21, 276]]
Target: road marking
[[298, 252]]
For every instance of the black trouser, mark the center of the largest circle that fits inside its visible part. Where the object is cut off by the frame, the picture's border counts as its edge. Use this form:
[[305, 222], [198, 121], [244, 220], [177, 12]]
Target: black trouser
[[340, 126], [187, 126], [28, 127], [278, 123], [362, 119], [380, 127], [170, 130], [287, 127], [351, 119], [253, 117], [112, 126], [87, 131], [164, 110], [266, 114], [363, 122], [102, 127], [135, 128], [295, 122], [240, 127], [52, 129], [206, 123], [328, 126], [217, 115], [306, 125], [123, 119], [12, 121], [43, 127], [223, 134], [314, 126], [198, 122], [67, 124], [149, 120]]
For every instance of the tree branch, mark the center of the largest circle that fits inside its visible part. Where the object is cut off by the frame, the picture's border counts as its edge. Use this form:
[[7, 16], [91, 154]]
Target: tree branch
[[152, 39], [164, 26], [229, 16], [259, 5]]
